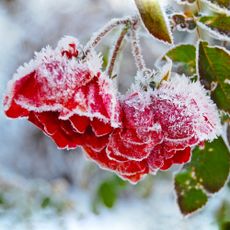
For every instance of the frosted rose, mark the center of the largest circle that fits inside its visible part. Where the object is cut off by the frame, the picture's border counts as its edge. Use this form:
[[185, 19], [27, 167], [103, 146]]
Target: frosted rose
[[68, 97], [159, 127]]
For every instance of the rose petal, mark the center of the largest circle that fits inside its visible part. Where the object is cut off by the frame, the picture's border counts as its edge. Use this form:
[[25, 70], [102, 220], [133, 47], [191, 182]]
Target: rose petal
[[100, 128], [79, 123], [122, 168]]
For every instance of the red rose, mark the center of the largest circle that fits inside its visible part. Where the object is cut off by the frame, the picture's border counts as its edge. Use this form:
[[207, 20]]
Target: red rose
[[66, 94], [159, 127], [68, 97]]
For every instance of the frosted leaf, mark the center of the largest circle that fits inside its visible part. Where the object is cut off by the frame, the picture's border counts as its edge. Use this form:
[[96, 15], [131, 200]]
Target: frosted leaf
[[215, 33], [186, 2], [222, 8]]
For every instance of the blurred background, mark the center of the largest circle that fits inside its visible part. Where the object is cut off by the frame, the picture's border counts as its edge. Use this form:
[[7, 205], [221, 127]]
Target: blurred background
[[45, 188]]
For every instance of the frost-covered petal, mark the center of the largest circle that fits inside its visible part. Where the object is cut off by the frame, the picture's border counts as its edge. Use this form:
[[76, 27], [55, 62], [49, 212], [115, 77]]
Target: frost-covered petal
[[133, 149], [185, 110], [129, 169]]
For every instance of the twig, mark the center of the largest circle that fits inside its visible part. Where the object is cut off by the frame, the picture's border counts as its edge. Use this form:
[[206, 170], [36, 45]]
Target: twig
[[198, 5], [97, 37], [117, 50], [136, 50]]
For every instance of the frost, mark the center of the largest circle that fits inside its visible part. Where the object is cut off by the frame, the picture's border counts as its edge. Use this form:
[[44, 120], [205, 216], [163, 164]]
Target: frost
[[64, 43], [185, 2], [164, 71], [198, 105], [59, 84], [214, 33], [216, 7]]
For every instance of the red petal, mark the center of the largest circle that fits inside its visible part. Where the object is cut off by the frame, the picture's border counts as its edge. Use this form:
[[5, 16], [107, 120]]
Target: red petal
[[64, 141], [133, 178], [95, 143], [33, 118], [50, 121], [131, 150], [112, 156], [80, 123], [182, 156], [167, 164], [100, 128], [123, 168], [15, 111]]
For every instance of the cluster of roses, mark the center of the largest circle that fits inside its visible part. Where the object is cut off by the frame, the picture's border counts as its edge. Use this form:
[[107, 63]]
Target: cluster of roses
[[69, 97]]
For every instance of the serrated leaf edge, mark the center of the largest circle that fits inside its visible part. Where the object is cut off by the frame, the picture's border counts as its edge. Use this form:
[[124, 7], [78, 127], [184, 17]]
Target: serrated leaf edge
[[171, 48], [209, 46], [213, 33], [216, 7]]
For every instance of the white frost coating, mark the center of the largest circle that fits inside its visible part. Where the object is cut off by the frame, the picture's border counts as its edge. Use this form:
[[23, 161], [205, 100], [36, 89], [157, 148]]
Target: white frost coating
[[216, 7], [197, 58], [214, 33], [203, 106], [60, 76], [164, 70], [23, 70], [167, 24], [109, 88], [94, 61], [185, 2], [144, 96], [64, 42]]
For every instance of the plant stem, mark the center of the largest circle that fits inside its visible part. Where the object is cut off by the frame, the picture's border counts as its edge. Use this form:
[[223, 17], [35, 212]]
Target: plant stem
[[198, 32], [97, 37], [198, 5], [136, 50], [117, 50]]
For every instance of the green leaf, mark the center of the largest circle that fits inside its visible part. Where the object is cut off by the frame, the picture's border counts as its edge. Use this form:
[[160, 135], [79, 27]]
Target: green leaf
[[190, 198], [183, 56], [108, 194], [228, 134], [211, 165], [46, 202], [216, 25], [214, 67], [154, 19], [220, 5], [207, 172]]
